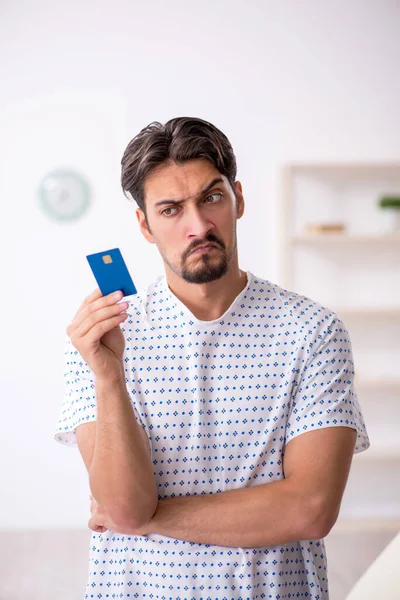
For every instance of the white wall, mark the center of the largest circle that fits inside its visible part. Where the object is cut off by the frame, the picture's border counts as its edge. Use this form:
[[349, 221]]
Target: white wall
[[284, 80]]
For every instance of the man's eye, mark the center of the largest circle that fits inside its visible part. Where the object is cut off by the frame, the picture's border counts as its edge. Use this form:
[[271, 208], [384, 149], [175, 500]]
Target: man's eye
[[164, 212], [217, 196], [211, 199]]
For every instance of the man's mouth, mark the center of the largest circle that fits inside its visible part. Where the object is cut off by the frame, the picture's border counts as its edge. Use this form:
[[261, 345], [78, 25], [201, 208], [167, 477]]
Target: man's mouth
[[204, 248]]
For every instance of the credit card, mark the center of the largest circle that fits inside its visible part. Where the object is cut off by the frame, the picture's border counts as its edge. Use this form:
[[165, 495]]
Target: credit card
[[111, 272]]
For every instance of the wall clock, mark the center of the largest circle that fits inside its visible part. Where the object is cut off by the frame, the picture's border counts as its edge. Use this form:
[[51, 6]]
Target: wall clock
[[64, 195]]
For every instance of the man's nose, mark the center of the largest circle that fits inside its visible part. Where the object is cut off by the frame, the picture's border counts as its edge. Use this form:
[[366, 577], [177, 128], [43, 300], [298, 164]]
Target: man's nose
[[198, 224]]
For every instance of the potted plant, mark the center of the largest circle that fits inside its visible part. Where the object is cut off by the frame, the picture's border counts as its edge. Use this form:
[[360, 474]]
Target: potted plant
[[391, 206]]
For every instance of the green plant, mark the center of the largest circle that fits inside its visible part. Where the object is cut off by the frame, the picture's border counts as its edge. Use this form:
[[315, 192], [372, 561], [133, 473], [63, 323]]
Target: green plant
[[389, 202]]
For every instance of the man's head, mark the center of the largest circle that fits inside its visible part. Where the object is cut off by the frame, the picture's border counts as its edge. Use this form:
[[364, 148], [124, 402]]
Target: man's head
[[182, 177]]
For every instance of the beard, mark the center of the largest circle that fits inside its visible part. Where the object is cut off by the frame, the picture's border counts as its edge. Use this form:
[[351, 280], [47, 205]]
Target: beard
[[206, 269]]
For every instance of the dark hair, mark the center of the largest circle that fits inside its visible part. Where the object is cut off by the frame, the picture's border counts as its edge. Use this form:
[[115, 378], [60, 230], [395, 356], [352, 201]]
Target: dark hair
[[179, 140]]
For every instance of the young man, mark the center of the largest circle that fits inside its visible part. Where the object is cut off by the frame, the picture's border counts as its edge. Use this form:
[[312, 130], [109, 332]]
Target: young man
[[216, 417]]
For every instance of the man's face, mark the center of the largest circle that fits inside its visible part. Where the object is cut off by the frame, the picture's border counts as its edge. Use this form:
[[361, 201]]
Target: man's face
[[188, 206]]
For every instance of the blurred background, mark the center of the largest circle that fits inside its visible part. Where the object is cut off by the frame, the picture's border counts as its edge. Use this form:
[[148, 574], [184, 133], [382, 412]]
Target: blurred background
[[308, 94]]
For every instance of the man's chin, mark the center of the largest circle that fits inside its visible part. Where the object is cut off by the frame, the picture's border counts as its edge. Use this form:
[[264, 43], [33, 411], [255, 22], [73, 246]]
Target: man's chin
[[204, 273]]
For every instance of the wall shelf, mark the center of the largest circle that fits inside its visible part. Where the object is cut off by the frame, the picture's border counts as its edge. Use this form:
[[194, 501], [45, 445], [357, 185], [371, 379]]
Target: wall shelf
[[376, 453], [346, 525], [348, 172], [379, 383], [356, 273], [336, 239], [367, 312]]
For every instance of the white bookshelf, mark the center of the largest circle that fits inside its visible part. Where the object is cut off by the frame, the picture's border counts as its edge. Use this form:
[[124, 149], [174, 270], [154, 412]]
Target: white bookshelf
[[357, 274], [380, 453], [355, 525], [368, 312], [346, 239], [379, 383]]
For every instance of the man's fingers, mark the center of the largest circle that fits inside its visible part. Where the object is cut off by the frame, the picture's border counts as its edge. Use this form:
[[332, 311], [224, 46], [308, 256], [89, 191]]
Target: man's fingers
[[93, 296], [95, 527], [108, 305]]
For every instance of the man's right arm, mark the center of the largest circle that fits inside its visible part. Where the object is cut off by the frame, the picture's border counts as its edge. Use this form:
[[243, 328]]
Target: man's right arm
[[116, 452]]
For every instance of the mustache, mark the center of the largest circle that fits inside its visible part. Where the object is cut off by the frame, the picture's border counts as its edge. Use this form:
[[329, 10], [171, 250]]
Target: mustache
[[211, 239]]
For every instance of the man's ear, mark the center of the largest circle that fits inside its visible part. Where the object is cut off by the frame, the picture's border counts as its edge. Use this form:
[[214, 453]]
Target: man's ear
[[144, 226], [239, 199]]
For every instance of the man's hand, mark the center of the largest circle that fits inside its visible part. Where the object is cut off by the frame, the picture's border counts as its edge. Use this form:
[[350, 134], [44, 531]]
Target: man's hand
[[96, 333], [100, 521]]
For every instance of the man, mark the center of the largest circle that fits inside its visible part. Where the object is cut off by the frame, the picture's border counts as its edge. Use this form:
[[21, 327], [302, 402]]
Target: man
[[216, 417]]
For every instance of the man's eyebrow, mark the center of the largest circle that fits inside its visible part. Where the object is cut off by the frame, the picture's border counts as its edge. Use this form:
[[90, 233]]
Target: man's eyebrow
[[204, 191]]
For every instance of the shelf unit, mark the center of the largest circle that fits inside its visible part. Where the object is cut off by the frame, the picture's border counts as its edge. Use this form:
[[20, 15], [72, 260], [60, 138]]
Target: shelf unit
[[357, 274], [335, 238], [380, 453], [346, 526], [368, 312], [379, 383]]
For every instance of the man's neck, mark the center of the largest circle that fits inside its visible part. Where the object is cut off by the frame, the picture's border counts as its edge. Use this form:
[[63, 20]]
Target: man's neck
[[209, 301]]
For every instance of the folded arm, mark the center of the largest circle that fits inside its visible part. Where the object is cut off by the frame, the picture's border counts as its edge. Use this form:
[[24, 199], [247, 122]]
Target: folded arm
[[303, 506], [116, 452]]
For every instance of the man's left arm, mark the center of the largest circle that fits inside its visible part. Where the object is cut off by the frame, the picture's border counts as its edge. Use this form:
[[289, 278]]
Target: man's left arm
[[302, 506]]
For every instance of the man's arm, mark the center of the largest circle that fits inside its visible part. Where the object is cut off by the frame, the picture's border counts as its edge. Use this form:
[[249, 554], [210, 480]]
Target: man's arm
[[116, 452], [303, 506]]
